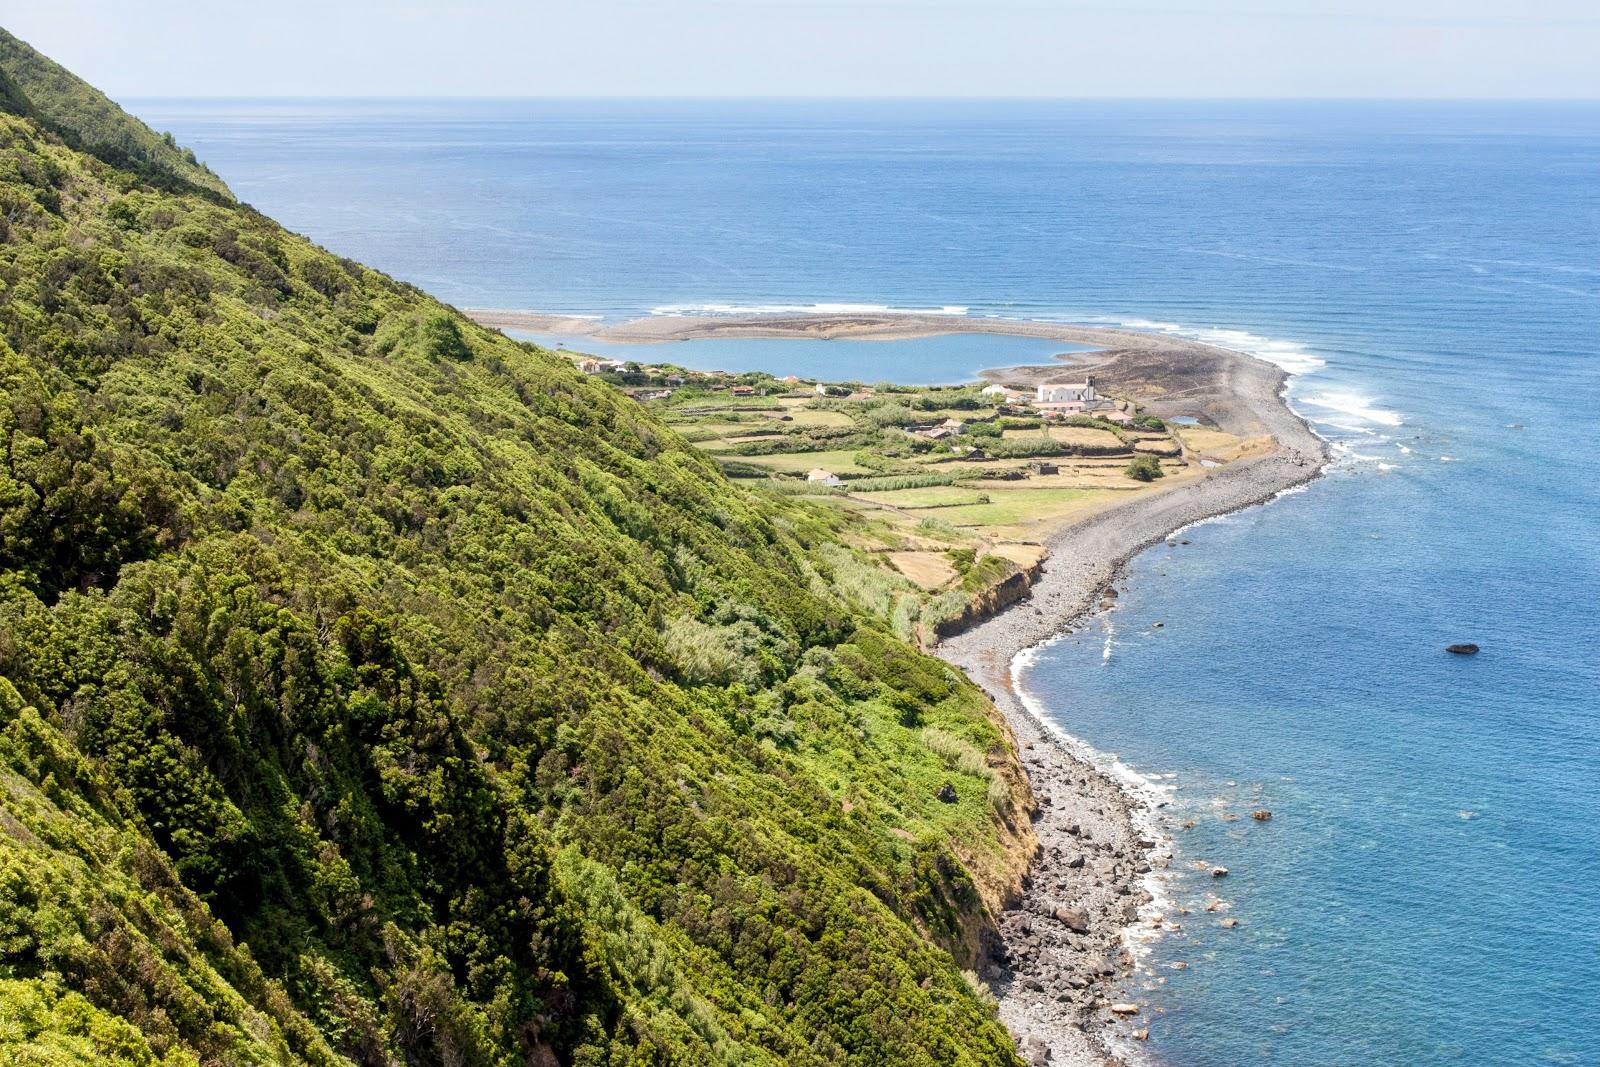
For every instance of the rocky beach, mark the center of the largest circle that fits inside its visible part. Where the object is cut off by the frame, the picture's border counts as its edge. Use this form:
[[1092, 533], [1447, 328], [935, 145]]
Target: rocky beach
[[1068, 943]]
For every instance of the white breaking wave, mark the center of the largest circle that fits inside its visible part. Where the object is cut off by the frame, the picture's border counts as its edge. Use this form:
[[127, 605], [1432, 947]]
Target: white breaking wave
[[681, 310], [1150, 793], [1290, 355], [1353, 405]]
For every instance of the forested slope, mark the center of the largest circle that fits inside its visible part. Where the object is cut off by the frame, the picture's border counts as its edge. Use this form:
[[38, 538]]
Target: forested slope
[[84, 117], [374, 688]]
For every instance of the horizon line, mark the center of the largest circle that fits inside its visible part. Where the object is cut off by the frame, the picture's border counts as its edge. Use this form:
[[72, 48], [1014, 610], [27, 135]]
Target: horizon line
[[863, 98]]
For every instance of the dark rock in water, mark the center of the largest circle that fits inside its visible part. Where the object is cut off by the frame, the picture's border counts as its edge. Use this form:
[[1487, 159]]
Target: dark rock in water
[[1261, 815], [1466, 648], [947, 793]]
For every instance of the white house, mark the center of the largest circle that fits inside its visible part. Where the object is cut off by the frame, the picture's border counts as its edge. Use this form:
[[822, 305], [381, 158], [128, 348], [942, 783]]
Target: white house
[[1068, 392], [993, 390], [826, 477]]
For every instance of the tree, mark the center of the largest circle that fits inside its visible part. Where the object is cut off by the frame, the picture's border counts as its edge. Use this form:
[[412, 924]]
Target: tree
[[1144, 469]]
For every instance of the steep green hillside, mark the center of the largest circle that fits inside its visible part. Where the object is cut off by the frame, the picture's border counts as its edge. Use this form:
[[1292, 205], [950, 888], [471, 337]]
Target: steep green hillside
[[32, 85], [373, 688]]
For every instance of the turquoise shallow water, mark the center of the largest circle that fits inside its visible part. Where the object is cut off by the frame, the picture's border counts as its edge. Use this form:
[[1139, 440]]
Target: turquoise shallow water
[[1425, 892], [947, 359]]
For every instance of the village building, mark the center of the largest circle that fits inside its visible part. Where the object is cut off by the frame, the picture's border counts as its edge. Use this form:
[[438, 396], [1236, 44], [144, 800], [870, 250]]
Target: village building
[[744, 390], [1080, 393], [993, 390], [1043, 466], [938, 431], [597, 366], [824, 477]]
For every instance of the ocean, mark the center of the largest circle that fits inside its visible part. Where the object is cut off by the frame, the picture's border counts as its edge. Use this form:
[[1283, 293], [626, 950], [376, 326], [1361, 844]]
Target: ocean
[[1424, 892]]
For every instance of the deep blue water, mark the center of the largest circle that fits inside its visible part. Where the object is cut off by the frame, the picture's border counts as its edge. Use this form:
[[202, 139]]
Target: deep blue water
[[1425, 893]]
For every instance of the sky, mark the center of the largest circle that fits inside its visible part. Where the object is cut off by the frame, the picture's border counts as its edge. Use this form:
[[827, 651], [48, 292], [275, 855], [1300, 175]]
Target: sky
[[941, 48]]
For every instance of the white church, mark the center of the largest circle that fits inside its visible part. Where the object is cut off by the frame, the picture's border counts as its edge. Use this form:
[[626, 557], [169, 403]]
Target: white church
[[1063, 394]]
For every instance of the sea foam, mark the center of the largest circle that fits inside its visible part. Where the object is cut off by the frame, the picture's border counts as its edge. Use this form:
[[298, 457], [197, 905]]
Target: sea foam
[[1148, 791], [1353, 406], [685, 310], [1290, 355]]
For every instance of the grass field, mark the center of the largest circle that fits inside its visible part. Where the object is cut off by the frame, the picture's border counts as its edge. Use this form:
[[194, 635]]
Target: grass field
[[841, 461], [808, 417], [929, 496], [1017, 508], [913, 530], [930, 570], [1214, 444], [1070, 435]]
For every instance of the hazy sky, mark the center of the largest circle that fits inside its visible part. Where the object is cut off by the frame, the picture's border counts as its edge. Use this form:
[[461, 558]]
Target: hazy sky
[[1385, 48]]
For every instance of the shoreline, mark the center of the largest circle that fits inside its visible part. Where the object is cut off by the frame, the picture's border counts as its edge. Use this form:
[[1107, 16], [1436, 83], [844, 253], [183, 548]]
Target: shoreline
[[1055, 982], [1054, 978], [1066, 944]]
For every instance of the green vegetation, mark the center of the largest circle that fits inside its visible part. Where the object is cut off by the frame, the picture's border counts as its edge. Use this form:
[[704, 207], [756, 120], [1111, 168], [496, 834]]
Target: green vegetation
[[1144, 469], [33, 86], [991, 484], [375, 689]]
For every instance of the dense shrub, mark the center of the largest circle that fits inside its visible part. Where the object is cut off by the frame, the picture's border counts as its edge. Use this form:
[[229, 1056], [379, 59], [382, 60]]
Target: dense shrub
[[1144, 469], [375, 688]]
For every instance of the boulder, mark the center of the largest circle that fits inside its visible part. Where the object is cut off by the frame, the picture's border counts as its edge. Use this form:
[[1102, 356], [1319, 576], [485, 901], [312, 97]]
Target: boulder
[[1261, 815], [1074, 919], [1228, 924], [947, 793], [1124, 1008], [1219, 872], [1075, 862], [1466, 648]]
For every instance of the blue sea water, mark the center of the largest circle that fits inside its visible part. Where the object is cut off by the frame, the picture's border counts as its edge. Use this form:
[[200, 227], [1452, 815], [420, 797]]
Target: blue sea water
[[1426, 891]]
